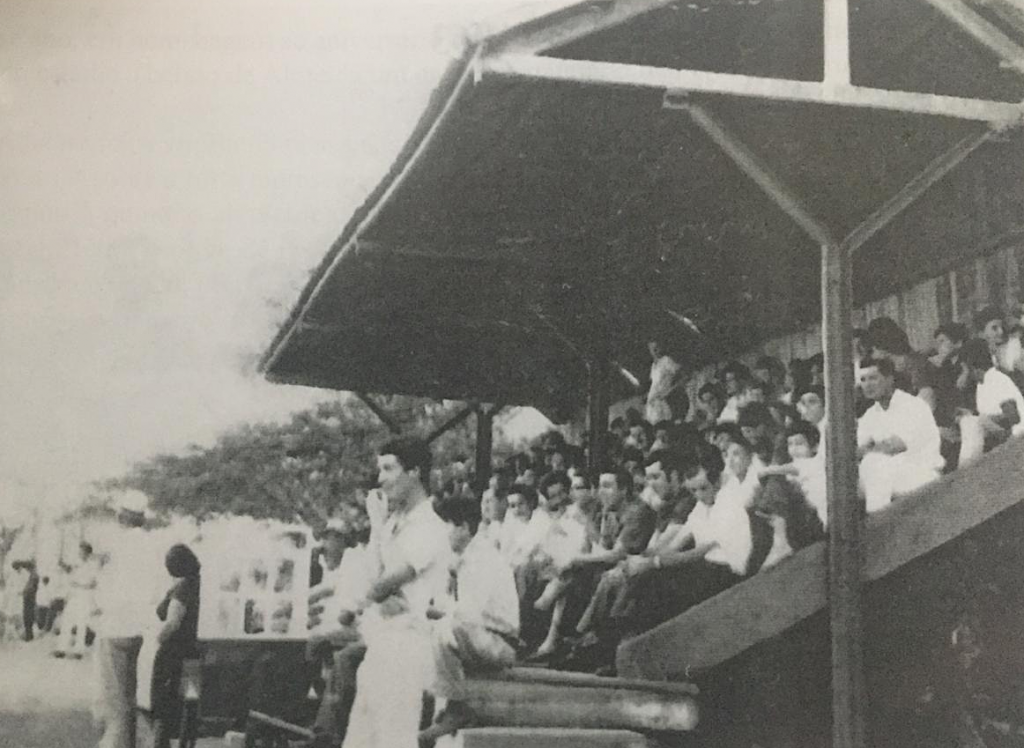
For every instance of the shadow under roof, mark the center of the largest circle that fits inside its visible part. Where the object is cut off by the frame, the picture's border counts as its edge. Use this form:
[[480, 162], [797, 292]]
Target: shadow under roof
[[530, 225]]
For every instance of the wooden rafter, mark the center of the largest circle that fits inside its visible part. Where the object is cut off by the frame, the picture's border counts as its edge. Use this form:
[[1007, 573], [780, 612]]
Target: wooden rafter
[[914, 189], [759, 172], [378, 411], [983, 31], [679, 83], [569, 24]]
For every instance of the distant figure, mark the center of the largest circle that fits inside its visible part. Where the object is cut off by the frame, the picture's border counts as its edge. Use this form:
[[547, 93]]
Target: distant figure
[[28, 599], [44, 605], [179, 612], [81, 604], [665, 375]]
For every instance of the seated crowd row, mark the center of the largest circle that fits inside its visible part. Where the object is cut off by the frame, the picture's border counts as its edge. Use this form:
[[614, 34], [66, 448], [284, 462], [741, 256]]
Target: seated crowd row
[[693, 500]]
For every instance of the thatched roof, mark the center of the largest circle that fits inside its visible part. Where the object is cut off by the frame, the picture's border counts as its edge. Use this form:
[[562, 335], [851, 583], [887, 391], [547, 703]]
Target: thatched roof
[[530, 224]]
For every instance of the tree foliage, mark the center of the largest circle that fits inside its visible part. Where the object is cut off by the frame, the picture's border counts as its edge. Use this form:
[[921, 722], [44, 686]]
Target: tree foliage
[[299, 470]]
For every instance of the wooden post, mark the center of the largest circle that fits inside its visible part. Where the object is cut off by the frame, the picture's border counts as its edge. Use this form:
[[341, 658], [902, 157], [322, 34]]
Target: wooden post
[[845, 508], [597, 413], [484, 446]]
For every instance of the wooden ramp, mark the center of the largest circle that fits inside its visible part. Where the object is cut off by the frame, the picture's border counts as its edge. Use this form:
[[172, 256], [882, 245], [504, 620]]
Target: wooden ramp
[[773, 602]]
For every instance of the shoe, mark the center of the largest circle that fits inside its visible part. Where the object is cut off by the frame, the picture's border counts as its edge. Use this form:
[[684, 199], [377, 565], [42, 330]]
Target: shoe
[[455, 717], [58, 654]]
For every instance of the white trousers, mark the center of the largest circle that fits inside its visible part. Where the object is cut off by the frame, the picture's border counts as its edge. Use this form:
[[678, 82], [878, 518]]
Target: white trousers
[[883, 477], [457, 644], [390, 684]]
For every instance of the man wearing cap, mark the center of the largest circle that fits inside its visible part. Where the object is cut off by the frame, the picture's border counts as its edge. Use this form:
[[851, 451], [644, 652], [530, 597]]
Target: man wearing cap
[[127, 594]]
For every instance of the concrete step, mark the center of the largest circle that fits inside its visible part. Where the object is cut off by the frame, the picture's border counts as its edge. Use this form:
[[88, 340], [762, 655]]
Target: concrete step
[[546, 737]]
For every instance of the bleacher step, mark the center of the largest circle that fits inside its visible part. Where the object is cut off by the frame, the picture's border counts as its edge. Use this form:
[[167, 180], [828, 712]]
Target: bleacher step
[[547, 737]]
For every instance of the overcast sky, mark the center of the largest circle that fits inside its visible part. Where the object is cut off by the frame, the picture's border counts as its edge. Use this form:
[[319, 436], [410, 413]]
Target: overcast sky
[[169, 174]]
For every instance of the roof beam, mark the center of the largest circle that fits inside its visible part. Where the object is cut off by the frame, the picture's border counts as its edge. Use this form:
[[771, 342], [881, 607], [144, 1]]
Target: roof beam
[[378, 411], [914, 189], [984, 32], [373, 250], [677, 84], [569, 24], [837, 44], [751, 165]]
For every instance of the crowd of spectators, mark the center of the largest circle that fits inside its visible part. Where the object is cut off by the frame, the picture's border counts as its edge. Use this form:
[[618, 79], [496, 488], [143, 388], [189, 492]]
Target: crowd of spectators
[[688, 498], [695, 496]]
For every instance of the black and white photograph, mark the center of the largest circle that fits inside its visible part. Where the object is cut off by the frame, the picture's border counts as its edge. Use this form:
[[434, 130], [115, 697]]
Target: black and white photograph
[[512, 374]]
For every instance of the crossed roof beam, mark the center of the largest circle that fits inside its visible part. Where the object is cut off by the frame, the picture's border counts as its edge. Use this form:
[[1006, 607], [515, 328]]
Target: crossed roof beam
[[519, 53]]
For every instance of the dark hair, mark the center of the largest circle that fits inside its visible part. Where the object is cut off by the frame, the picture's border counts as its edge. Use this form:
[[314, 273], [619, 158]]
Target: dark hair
[[815, 389], [885, 367], [740, 371], [411, 453], [711, 463], [886, 335], [985, 316], [756, 414], [729, 428], [955, 331], [460, 512], [711, 387], [976, 354], [671, 461], [616, 422], [551, 479], [666, 425], [805, 429], [744, 443], [181, 562], [527, 492], [773, 365], [85, 546], [632, 453]]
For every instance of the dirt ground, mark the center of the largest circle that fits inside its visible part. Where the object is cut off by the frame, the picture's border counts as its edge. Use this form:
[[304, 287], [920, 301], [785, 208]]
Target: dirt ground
[[47, 702]]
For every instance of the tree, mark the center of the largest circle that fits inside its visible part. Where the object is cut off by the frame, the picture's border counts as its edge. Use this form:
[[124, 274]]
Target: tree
[[301, 470]]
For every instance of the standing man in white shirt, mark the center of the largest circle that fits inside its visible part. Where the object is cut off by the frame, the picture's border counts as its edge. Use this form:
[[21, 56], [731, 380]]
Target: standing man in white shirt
[[413, 553], [898, 441]]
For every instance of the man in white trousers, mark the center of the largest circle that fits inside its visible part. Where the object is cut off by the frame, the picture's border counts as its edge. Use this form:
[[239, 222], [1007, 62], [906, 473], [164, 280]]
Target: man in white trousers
[[413, 554]]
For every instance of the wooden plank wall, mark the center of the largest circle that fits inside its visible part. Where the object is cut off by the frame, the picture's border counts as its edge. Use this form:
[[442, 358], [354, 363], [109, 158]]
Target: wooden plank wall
[[993, 278]]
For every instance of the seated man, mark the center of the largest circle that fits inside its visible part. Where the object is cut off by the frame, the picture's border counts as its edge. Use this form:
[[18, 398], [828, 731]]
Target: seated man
[[669, 506], [522, 503], [806, 467], [1000, 406], [898, 442], [667, 582], [478, 627], [625, 528], [564, 538]]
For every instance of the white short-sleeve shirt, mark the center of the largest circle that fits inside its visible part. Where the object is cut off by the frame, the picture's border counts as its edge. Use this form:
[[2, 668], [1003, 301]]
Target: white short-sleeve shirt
[[994, 390], [726, 524], [418, 538], [909, 418]]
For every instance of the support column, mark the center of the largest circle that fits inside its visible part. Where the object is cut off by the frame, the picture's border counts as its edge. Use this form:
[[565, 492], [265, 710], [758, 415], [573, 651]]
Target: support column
[[484, 445], [845, 508], [598, 403]]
